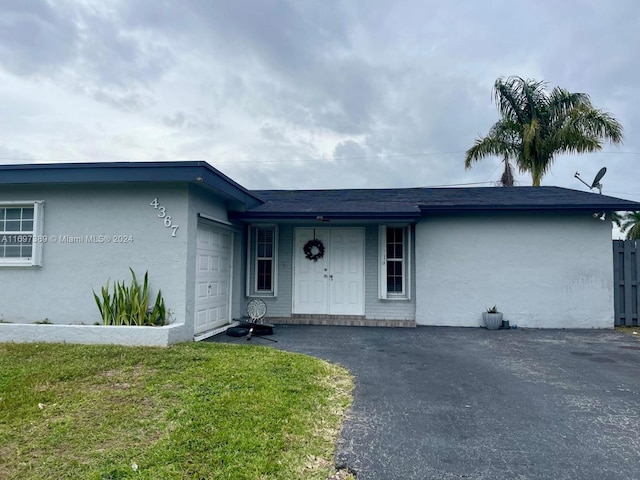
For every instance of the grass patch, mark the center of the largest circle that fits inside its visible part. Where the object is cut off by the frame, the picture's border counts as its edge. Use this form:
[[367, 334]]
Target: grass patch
[[191, 411], [630, 331]]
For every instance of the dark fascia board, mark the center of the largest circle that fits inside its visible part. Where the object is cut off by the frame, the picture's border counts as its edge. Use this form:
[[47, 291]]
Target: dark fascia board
[[592, 208], [197, 172], [262, 216]]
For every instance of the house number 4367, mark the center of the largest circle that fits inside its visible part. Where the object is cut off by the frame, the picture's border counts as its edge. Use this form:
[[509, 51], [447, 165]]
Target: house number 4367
[[162, 214]]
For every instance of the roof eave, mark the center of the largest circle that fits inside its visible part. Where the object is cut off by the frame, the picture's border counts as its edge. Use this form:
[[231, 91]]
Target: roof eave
[[590, 208], [196, 172], [405, 216]]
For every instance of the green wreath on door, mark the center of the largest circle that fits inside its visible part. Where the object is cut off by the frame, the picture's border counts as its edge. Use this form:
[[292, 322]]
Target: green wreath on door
[[313, 249]]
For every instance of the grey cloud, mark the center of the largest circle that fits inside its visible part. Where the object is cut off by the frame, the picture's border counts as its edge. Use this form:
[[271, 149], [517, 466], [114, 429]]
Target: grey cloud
[[126, 102], [82, 47], [273, 133], [176, 120], [292, 59], [119, 58], [36, 37], [285, 82], [283, 36], [198, 121]]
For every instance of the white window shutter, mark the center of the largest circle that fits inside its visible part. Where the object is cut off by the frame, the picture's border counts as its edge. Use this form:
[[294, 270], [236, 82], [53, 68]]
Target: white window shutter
[[382, 263], [38, 223]]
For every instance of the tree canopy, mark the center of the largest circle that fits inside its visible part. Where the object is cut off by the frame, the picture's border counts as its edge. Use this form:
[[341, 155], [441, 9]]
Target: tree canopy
[[537, 125], [630, 223]]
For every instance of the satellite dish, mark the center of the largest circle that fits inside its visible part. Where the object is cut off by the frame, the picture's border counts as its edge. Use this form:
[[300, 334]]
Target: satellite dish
[[600, 174], [596, 181]]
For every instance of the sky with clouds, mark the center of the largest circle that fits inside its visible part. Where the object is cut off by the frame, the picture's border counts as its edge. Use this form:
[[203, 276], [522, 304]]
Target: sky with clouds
[[308, 94]]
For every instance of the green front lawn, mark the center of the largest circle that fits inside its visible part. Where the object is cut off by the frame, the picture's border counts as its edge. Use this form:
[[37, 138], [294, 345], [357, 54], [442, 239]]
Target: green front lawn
[[191, 411]]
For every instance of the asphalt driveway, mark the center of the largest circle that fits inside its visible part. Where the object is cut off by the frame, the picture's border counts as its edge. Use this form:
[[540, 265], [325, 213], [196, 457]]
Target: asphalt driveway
[[445, 403]]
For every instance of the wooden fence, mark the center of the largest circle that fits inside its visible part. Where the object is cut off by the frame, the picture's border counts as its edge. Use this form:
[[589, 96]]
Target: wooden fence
[[626, 265]]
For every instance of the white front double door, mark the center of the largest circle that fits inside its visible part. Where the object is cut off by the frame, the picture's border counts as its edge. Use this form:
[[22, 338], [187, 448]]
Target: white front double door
[[333, 284]]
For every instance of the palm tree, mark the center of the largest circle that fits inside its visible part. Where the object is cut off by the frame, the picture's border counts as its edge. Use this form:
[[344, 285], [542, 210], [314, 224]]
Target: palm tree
[[630, 223], [537, 125]]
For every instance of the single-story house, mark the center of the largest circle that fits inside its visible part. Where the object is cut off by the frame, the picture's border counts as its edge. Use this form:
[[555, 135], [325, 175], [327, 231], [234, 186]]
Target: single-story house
[[378, 257]]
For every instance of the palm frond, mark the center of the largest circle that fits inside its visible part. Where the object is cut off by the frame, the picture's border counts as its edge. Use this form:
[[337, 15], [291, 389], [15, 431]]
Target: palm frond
[[616, 218], [631, 224], [598, 124], [486, 147]]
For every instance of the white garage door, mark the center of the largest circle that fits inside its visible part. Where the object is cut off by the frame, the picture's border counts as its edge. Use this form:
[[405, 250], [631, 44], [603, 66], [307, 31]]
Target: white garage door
[[213, 278]]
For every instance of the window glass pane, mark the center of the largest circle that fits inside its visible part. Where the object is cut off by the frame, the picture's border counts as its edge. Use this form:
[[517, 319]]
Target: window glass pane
[[394, 277], [265, 235], [12, 225], [265, 250], [394, 235], [26, 250], [265, 242], [27, 213], [1, 214], [13, 213], [12, 252], [27, 225], [394, 243], [394, 251], [394, 269], [264, 275]]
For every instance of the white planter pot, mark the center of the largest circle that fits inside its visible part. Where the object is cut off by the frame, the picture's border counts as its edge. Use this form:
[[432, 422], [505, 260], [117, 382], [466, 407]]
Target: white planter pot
[[493, 321]]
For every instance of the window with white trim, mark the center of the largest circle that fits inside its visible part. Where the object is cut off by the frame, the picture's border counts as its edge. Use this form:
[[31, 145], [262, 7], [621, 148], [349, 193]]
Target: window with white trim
[[21, 236], [395, 248], [262, 260]]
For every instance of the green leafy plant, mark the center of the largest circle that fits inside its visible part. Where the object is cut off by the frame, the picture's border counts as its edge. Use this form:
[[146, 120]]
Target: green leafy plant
[[493, 309], [129, 304]]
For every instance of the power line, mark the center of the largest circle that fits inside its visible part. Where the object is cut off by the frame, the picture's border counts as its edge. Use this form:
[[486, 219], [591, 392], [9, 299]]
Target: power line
[[636, 194], [459, 184], [369, 157], [310, 159], [315, 159]]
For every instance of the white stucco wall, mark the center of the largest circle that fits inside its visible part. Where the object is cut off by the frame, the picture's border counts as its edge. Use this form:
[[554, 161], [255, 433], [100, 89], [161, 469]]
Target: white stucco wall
[[61, 289], [542, 271], [94, 335]]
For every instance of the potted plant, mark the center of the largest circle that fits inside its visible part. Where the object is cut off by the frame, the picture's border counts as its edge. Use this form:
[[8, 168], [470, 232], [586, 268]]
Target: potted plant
[[492, 318]]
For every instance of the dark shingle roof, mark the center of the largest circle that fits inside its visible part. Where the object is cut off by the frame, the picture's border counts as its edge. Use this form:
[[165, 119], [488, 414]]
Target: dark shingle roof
[[412, 202]]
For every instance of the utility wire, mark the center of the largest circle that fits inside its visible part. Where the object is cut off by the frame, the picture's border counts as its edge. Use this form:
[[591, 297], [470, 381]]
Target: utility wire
[[296, 160], [310, 159]]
